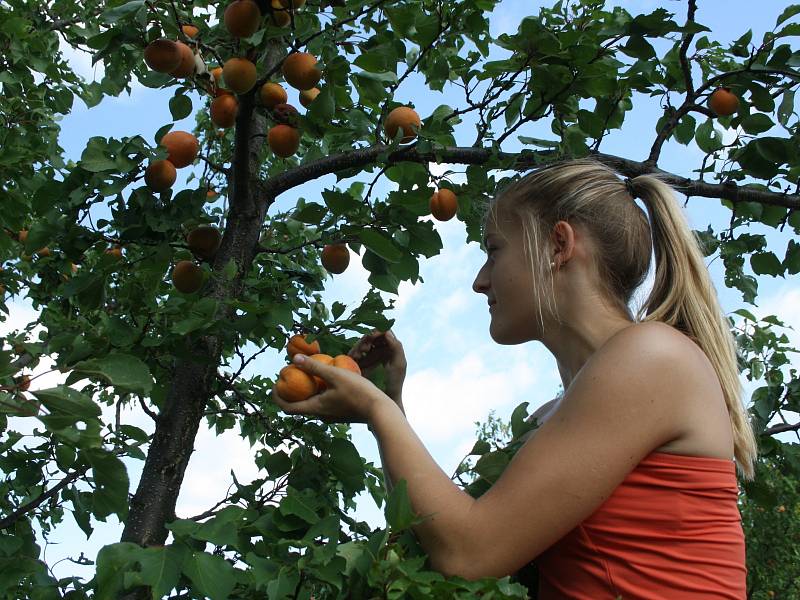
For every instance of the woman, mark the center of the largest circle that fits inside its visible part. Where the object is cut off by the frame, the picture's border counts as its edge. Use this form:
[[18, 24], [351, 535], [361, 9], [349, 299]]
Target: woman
[[628, 487]]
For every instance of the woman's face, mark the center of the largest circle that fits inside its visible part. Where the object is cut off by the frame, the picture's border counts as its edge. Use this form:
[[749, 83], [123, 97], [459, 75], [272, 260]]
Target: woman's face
[[507, 281]]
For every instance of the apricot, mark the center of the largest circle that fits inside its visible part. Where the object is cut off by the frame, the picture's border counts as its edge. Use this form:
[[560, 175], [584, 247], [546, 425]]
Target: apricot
[[723, 102], [280, 17], [216, 73], [22, 236], [300, 71], [242, 18], [285, 114], [444, 205], [187, 277], [24, 383], [204, 241], [162, 55], [298, 344], [307, 96], [272, 94], [239, 74], [326, 359], [160, 175], [294, 384], [283, 140], [211, 194], [405, 117], [114, 251], [182, 148], [190, 30], [342, 361], [186, 66], [335, 258], [223, 110]]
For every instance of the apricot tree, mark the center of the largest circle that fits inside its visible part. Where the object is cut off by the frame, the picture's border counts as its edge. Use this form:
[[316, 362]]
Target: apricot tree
[[119, 234]]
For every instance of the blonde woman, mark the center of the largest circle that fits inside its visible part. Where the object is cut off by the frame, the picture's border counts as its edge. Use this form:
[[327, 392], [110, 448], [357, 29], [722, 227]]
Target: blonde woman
[[628, 487]]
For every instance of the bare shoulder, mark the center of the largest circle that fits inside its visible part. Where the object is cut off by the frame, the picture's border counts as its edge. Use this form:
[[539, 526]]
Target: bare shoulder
[[652, 338]]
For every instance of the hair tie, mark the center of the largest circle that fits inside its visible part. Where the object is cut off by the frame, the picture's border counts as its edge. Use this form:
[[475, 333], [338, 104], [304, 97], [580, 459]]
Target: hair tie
[[630, 187]]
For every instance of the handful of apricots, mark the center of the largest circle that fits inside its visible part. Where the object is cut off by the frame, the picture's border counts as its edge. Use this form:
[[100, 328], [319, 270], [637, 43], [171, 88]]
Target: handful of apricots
[[294, 384]]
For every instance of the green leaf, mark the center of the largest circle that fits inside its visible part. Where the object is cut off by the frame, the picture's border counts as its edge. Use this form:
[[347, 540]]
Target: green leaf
[[161, 567], [294, 503], [786, 108], [397, 511], [123, 371], [66, 401], [684, 132], [490, 466], [211, 575], [765, 263], [112, 15], [380, 244], [788, 13], [97, 157], [707, 137], [757, 123], [111, 484], [180, 106], [345, 462], [112, 563]]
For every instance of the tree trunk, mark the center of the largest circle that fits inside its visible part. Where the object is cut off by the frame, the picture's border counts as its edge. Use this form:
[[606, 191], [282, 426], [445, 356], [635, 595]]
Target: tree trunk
[[153, 505]]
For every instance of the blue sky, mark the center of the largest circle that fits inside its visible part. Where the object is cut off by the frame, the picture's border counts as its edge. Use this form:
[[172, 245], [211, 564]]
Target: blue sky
[[456, 373]]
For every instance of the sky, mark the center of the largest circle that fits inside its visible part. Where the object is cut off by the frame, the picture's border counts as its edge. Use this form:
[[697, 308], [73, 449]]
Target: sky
[[456, 373]]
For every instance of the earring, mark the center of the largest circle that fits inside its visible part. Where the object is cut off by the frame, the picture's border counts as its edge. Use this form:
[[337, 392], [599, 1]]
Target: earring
[[552, 263]]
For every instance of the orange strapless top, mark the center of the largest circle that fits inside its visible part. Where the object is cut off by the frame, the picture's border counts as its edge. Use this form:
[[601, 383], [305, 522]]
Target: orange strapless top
[[670, 531]]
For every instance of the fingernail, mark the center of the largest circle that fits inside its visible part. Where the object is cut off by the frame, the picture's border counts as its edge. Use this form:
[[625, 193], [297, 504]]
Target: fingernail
[[298, 358]]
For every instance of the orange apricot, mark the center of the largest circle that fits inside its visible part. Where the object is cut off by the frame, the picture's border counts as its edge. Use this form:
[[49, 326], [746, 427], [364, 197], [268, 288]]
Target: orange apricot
[[723, 102], [444, 205], [294, 384], [283, 140], [160, 175], [300, 70], [271, 94], [326, 359], [186, 66], [335, 258], [223, 110], [403, 117], [298, 344], [204, 241], [187, 277], [182, 148], [307, 96], [190, 30], [239, 75], [162, 55], [115, 252], [242, 18]]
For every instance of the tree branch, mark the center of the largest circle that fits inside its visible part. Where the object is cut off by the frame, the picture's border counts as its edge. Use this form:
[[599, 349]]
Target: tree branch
[[687, 40], [518, 161], [782, 428], [26, 508]]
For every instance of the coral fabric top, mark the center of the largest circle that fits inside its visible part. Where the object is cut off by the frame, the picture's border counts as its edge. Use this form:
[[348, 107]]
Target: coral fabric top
[[671, 530]]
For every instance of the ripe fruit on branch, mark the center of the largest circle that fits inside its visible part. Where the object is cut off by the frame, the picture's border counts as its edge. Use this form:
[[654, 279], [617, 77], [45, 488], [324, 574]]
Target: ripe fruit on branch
[[300, 70], [242, 18], [723, 102], [162, 55], [182, 148], [294, 384], [211, 194], [342, 361], [280, 15], [335, 258], [444, 205], [160, 175], [285, 114], [216, 73], [307, 96], [186, 67], [405, 117], [22, 236], [23, 383], [223, 110], [190, 30], [114, 252], [298, 344], [271, 94], [239, 74], [187, 277], [283, 140], [204, 241]]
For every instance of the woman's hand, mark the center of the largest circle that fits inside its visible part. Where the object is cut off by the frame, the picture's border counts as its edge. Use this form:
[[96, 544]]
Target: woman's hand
[[349, 397], [382, 347]]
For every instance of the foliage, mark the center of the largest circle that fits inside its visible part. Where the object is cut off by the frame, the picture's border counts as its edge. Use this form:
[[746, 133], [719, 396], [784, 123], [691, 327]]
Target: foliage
[[560, 85]]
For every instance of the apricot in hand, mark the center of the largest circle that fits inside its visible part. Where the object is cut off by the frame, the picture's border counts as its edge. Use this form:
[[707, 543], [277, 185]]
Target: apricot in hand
[[299, 345]]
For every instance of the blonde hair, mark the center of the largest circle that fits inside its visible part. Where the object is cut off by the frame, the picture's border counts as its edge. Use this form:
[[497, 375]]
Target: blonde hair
[[592, 195]]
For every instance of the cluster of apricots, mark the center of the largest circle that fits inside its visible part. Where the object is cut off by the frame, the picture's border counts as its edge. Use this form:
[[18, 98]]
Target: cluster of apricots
[[294, 384], [204, 242], [182, 150]]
